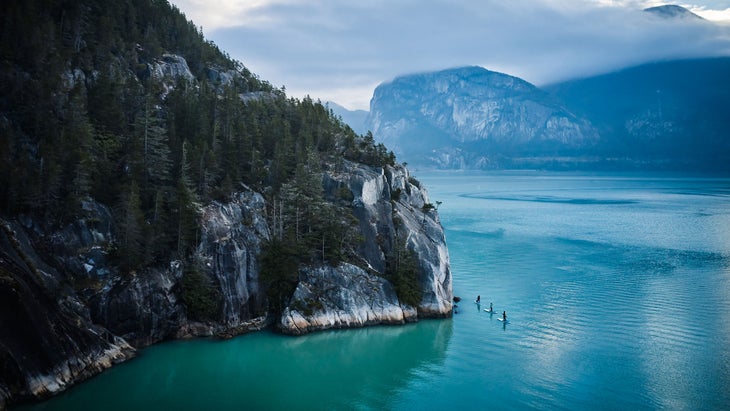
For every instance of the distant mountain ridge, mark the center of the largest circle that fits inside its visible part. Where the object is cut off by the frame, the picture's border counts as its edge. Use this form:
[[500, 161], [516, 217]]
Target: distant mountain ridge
[[354, 118], [670, 11], [471, 117], [667, 115]]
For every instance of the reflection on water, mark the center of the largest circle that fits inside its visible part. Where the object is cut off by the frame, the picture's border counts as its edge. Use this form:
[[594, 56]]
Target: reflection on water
[[552, 199], [620, 302], [327, 370]]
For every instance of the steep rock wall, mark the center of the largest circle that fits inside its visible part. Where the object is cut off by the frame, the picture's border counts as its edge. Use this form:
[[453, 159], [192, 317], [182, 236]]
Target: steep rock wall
[[473, 118], [149, 307], [47, 341], [231, 239], [88, 315], [144, 309], [425, 236], [342, 297], [389, 206]]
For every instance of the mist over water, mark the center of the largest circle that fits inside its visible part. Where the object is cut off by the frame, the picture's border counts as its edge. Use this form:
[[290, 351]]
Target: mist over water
[[617, 289]]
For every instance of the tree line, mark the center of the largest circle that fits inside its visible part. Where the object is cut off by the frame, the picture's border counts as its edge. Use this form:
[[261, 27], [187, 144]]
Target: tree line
[[83, 117]]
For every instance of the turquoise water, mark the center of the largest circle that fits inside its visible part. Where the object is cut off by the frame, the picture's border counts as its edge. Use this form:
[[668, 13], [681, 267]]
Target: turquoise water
[[617, 289]]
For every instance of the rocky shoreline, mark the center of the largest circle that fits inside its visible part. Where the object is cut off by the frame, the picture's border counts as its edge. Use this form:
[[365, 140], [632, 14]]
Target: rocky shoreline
[[87, 316]]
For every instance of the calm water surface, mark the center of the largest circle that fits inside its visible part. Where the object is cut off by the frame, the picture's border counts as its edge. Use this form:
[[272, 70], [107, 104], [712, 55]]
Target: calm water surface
[[617, 289]]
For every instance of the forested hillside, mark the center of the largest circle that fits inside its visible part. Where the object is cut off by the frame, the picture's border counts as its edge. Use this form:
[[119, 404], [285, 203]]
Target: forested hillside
[[85, 113], [153, 188]]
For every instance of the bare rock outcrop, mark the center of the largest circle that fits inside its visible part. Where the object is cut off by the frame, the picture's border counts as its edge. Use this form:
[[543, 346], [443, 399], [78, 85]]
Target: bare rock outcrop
[[342, 297]]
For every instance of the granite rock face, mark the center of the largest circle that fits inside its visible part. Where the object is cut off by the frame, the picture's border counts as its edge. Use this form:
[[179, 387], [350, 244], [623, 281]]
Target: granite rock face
[[171, 66], [389, 205], [149, 308], [231, 241], [87, 315], [47, 340], [144, 309], [473, 118], [342, 297]]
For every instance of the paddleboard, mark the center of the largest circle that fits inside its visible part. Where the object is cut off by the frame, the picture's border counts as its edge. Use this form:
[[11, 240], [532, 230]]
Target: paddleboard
[[503, 320], [490, 312]]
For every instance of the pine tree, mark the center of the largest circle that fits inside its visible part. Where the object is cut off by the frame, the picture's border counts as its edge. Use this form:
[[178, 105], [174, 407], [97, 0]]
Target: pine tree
[[279, 265], [131, 229], [186, 210], [402, 272], [302, 198], [76, 154], [159, 237], [151, 130], [201, 297]]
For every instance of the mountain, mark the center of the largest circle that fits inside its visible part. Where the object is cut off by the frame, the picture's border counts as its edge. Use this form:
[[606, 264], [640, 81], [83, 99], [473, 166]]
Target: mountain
[[475, 118], [152, 188], [663, 115], [671, 11], [353, 118]]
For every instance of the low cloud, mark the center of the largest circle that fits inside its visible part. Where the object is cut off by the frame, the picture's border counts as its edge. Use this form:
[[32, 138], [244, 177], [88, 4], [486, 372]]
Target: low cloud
[[340, 50], [719, 16]]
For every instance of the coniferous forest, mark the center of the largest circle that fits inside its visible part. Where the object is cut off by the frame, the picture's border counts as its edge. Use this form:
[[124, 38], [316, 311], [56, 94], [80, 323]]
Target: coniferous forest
[[85, 114]]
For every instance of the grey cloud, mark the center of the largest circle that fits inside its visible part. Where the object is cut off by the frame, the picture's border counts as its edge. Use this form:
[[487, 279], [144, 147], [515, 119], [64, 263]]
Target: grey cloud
[[324, 48]]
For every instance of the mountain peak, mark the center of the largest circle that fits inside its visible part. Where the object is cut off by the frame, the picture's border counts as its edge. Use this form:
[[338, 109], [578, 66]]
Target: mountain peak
[[672, 11], [471, 117], [465, 81], [470, 72]]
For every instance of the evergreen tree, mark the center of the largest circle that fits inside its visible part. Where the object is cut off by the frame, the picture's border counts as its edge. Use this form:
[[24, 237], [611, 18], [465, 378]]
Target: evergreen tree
[[82, 116], [107, 158], [279, 273], [402, 272], [76, 142], [201, 297], [302, 199], [151, 130], [107, 101], [186, 210], [160, 235], [131, 230]]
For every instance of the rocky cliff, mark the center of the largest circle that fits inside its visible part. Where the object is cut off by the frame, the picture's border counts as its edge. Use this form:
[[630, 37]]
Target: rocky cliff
[[88, 315], [341, 297], [47, 339], [230, 244], [128, 146], [352, 296], [473, 118]]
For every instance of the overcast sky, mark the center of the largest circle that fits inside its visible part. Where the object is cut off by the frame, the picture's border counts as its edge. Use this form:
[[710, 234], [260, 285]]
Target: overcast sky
[[340, 50]]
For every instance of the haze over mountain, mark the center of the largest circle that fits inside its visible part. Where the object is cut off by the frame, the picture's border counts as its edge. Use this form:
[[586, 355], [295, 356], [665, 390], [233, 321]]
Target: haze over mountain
[[473, 118], [672, 114], [341, 50], [671, 11], [669, 115], [353, 118]]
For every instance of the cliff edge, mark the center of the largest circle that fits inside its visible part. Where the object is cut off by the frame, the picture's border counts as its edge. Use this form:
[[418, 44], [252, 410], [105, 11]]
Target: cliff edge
[[88, 315]]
